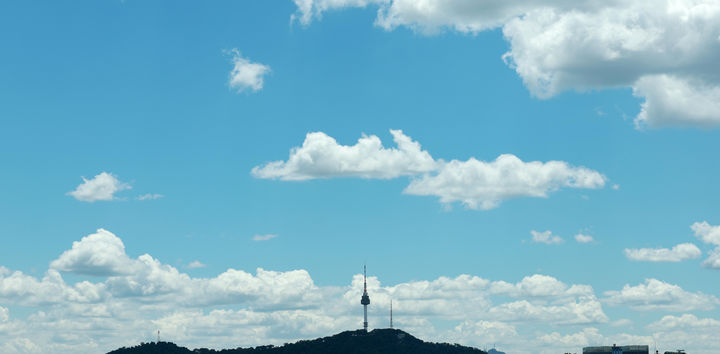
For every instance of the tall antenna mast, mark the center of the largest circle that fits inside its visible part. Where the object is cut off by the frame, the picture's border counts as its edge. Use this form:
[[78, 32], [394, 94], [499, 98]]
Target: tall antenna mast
[[391, 313], [365, 300], [158, 336]]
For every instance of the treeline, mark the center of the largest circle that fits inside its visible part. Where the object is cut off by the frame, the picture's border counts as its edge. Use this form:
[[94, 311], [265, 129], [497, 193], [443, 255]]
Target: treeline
[[379, 341]]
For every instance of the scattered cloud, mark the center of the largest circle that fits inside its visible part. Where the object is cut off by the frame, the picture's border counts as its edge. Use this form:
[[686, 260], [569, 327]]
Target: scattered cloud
[[484, 185], [101, 253], [546, 237], [245, 74], [678, 253], [476, 184], [713, 260], [196, 264], [657, 295], [101, 187], [320, 156], [711, 235], [667, 58], [265, 237], [707, 233], [150, 196], [581, 238]]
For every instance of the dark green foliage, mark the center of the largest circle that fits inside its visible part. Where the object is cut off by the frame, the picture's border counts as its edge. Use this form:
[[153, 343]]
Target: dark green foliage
[[379, 341]]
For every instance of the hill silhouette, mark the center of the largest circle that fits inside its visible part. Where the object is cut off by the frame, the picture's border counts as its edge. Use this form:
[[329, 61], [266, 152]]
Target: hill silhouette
[[378, 341]]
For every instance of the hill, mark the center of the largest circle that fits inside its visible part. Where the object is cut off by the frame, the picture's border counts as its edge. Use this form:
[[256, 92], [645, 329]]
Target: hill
[[378, 341]]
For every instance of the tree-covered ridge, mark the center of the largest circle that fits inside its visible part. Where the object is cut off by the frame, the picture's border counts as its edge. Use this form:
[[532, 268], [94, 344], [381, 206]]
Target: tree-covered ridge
[[378, 341]]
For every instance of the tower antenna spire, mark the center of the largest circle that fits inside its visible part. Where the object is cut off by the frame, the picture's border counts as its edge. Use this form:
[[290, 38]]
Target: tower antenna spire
[[365, 299], [391, 326]]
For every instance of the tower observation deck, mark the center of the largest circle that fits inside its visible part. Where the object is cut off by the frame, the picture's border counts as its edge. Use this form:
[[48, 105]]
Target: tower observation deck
[[365, 300]]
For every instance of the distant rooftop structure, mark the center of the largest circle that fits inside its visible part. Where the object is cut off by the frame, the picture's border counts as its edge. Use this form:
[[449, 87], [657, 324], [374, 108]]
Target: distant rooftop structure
[[614, 349]]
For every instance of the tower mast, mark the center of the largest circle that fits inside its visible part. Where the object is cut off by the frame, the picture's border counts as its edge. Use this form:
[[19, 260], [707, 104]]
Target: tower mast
[[365, 300], [391, 313]]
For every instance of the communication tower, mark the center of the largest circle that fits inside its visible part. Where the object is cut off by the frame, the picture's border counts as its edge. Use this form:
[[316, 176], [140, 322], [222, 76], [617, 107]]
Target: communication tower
[[365, 300]]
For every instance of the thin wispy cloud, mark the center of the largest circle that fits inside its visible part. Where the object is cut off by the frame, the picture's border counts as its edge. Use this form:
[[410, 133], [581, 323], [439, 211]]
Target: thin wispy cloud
[[545, 237], [265, 237], [196, 264], [582, 238], [149, 196]]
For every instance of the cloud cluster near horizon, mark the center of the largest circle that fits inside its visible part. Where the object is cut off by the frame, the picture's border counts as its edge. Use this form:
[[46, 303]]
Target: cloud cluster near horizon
[[127, 295], [667, 57], [474, 183]]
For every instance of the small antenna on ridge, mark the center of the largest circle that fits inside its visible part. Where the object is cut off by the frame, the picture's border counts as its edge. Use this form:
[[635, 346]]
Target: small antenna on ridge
[[391, 326]]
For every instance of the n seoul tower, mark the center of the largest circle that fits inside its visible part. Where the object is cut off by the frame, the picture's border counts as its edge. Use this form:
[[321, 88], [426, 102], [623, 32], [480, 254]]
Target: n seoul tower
[[365, 300]]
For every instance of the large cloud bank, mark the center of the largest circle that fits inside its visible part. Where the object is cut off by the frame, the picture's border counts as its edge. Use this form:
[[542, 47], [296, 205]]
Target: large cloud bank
[[127, 299]]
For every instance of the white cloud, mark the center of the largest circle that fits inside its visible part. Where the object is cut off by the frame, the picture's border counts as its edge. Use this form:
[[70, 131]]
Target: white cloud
[[309, 9], [321, 156], [267, 307], [545, 237], [678, 253], [713, 260], [656, 295], [484, 185], [696, 335], [707, 233], [667, 55], [101, 253], [581, 238], [196, 264], [245, 74], [677, 101], [101, 187], [4, 314], [149, 196], [264, 237]]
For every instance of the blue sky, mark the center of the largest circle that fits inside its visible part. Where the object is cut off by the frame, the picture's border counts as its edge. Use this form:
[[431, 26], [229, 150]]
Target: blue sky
[[179, 102]]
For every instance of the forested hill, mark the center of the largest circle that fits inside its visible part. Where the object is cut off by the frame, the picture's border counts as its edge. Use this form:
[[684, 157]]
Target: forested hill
[[378, 341]]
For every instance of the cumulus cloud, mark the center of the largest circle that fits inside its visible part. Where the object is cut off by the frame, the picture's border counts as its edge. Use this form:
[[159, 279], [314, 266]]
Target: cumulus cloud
[[320, 156], [545, 237], [666, 56], [581, 238], [687, 331], [656, 295], [267, 307], [476, 184], [246, 75], [101, 187], [484, 185], [265, 237], [713, 260], [709, 234], [678, 253], [101, 253]]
